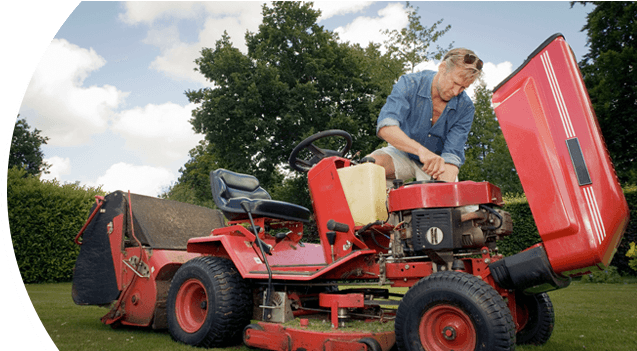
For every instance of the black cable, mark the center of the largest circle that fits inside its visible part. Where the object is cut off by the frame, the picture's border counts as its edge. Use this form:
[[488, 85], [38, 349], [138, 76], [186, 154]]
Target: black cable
[[494, 212]]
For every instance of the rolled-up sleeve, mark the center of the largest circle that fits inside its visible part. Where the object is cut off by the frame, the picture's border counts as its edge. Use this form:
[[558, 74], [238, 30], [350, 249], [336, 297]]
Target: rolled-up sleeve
[[397, 107], [386, 122]]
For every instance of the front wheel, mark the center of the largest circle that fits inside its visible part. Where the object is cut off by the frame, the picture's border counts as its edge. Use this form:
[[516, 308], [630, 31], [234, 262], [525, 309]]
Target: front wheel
[[453, 311], [208, 303]]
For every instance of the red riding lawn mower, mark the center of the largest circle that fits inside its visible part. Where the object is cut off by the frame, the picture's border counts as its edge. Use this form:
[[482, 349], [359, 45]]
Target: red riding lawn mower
[[165, 264]]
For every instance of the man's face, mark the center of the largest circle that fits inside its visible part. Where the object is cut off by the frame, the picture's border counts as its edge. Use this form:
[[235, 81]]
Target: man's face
[[451, 83]]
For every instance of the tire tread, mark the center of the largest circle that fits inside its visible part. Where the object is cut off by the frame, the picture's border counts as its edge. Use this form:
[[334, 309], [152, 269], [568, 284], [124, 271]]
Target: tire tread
[[473, 287], [233, 302]]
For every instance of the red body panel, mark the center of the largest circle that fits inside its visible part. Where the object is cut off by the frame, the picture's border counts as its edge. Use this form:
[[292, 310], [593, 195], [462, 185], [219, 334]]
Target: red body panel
[[554, 139], [288, 261], [329, 202], [432, 195], [142, 296]]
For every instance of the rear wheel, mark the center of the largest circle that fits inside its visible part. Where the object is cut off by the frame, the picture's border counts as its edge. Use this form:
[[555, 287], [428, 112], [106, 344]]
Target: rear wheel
[[453, 311], [537, 311], [208, 303]]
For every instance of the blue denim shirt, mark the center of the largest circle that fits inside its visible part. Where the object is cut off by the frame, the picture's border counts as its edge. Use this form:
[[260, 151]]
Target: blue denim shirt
[[410, 107]]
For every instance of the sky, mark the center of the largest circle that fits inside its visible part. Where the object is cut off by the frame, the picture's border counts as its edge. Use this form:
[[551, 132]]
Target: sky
[[105, 81]]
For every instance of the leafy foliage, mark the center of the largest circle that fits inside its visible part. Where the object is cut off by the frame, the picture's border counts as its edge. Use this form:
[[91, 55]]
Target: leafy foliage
[[25, 148], [632, 254], [411, 44], [610, 75], [525, 232], [44, 217], [607, 276], [193, 185], [296, 80], [621, 260]]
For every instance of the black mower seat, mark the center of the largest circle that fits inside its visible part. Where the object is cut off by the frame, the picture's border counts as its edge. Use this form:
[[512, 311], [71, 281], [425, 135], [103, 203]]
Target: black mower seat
[[230, 189]]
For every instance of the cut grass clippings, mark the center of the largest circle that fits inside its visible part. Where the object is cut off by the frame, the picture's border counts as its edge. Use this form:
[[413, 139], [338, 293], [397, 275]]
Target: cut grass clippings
[[600, 317]]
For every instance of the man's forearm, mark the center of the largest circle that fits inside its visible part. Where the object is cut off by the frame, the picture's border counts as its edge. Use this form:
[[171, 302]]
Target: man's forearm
[[398, 139], [433, 164]]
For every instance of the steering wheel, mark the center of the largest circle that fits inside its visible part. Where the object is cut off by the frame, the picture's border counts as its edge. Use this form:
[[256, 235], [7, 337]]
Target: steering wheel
[[302, 165]]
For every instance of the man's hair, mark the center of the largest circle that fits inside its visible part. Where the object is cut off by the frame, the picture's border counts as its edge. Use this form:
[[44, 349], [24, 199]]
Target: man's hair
[[455, 59]]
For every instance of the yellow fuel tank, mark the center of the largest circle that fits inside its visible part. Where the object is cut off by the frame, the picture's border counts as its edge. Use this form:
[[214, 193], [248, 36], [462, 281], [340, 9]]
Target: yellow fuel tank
[[365, 190]]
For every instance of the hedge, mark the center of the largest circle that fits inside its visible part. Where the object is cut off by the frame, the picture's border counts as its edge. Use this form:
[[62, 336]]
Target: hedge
[[525, 232], [44, 217], [621, 261]]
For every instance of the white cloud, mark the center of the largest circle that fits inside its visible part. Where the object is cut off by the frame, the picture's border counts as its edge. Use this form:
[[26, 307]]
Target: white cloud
[[178, 61], [72, 112], [496, 73], [151, 12], [143, 180], [161, 134], [427, 65], [391, 17], [148, 12], [336, 8], [177, 58], [59, 167], [493, 75]]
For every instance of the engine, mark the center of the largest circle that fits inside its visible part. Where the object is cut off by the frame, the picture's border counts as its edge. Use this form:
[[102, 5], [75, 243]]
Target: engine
[[446, 232]]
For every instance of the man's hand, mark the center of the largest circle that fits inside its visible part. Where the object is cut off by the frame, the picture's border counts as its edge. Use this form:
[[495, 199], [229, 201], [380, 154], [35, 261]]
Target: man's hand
[[433, 164], [450, 174], [436, 167]]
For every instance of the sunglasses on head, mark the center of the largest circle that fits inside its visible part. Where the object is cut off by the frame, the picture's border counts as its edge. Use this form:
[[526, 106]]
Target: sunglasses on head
[[469, 59]]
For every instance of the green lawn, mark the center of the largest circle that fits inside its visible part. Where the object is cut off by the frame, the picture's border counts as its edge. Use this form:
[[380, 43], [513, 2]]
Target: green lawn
[[588, 317]]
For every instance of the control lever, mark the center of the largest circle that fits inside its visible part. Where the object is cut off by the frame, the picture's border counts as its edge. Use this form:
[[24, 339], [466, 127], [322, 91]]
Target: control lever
[[336, 226], [331, 238], [333, 227], [262, 246]]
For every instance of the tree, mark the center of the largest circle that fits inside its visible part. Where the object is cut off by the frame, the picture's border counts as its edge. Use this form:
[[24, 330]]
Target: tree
[[25, 149], [296, 80], [610, 77], [193, 186], [411, 44], [486, 153]]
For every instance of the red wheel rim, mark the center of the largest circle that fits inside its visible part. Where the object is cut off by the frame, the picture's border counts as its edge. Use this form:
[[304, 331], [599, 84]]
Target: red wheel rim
[[445, 327], [191, 305]]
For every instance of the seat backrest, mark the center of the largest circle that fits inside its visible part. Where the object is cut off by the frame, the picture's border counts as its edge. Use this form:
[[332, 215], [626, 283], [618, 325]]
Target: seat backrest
[[227, 185], [230, 190]]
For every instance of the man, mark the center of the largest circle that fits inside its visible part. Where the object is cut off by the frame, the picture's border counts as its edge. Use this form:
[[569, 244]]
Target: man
[[427, 119]]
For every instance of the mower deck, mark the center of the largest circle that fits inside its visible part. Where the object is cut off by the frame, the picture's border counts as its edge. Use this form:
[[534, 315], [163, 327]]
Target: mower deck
[[274, 336]]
